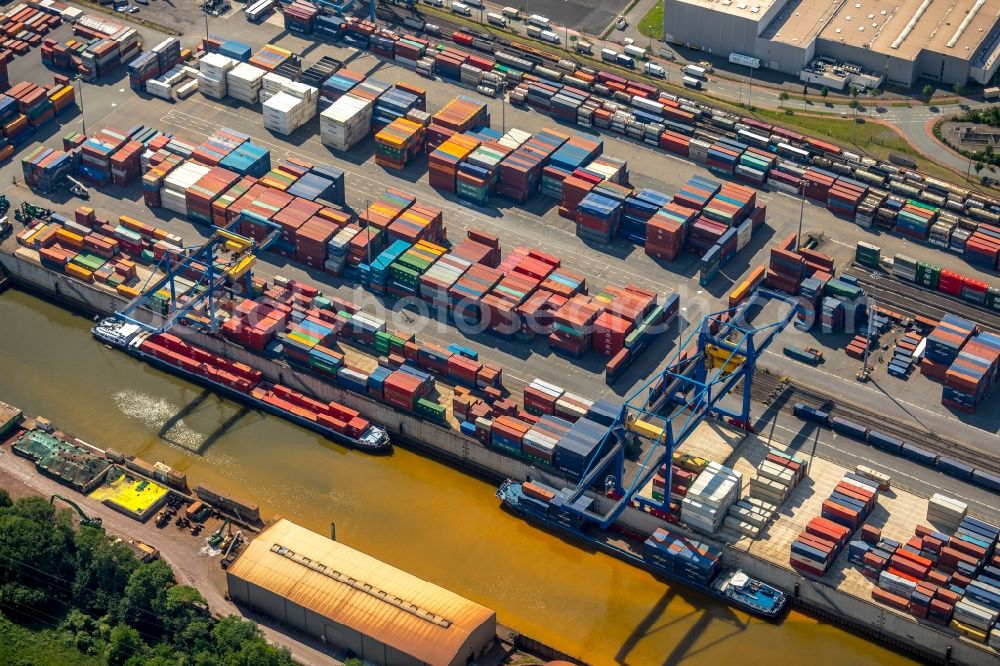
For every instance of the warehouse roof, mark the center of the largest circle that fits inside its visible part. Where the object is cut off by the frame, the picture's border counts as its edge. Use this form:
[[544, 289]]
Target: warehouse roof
[[902, 28], [356, 590], [753, 10], [798, 22], [896, 28]]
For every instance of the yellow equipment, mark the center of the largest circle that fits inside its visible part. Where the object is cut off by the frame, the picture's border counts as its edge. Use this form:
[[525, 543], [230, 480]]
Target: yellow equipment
[[717, 357], [643, 428]]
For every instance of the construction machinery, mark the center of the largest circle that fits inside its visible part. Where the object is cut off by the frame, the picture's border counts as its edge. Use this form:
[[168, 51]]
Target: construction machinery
[[224, 532], [85, 520], [78, 189], [28, 212]]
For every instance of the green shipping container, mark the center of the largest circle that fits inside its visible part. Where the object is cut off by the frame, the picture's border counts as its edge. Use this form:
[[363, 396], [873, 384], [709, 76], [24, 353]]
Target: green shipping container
[[433, 410]]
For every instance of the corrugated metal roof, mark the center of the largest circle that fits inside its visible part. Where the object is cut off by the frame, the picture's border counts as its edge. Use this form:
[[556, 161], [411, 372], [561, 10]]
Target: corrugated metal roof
[[356, 590]]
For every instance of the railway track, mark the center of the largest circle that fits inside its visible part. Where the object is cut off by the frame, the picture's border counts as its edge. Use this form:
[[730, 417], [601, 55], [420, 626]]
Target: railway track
[[769, 388], [912, 300]]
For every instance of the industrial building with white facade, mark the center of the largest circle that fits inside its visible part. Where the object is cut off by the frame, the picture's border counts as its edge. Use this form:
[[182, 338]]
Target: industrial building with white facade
[[356, 602], [948, 41]]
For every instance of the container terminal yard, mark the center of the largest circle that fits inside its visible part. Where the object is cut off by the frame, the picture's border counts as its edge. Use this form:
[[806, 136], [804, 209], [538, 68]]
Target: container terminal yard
[[602, 308]]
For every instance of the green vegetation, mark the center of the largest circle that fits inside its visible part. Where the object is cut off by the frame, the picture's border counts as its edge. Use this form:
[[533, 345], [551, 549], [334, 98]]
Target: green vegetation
[[989, 116], [651, 24], [40, 647], [872, 138], [928, 91], [75, 596]]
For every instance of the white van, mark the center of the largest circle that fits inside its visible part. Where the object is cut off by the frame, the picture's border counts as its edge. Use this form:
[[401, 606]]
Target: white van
[[583, 46], [475, 3], [496, 19], [435, 3], [461, 8], [539, 20], [511, 12]]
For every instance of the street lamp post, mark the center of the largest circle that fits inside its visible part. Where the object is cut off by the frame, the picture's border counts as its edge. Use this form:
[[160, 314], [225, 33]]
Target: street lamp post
[[750, 92], [205, 12], [865, 371], [83, 115], [503, 107], [802, 210], [368, 228]]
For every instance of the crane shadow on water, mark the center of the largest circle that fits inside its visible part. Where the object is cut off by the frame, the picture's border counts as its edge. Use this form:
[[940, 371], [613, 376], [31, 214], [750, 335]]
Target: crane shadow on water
[[190, 408], [650, 626]]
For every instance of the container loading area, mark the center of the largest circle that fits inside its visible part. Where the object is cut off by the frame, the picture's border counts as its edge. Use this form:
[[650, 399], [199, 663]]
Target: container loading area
[[419, 229]]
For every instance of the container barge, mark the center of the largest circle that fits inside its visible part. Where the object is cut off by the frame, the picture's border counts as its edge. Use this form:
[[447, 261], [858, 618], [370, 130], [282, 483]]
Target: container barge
[[677, 559], [243, 384]]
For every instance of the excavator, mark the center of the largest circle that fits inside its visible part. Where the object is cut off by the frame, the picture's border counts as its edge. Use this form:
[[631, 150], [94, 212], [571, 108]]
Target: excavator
[[85, 520], [220, 535]]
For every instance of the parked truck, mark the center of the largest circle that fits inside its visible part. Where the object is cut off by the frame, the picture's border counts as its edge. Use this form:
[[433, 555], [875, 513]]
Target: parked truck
[[695, 71], [809, 355]]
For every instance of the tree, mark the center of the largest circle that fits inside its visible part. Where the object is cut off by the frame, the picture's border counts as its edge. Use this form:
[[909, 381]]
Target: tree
[[145, 598], [824, 92], [187, 625], [979, 167], [928, 91], [5, 500], [102, 571], [854, 104], [959, 88], [854, 92], [231, 633], [124, 643], [783, 97]]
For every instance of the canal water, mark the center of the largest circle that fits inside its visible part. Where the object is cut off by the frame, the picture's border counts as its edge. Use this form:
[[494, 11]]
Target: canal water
[[414, 513]]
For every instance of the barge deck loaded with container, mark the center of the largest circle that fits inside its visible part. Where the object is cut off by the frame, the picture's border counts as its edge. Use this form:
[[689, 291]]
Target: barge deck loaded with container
[[678, 559], [243, 384]]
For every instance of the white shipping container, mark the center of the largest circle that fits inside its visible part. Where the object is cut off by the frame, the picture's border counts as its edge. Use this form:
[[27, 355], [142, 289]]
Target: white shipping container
[[345, 122], [647, 105]]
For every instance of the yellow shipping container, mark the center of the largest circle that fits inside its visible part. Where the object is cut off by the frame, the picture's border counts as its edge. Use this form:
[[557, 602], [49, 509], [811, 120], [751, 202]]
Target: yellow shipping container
[[69, 238], [130, 223], [79, 272], [31, 240], [66, 91], [130, 292]]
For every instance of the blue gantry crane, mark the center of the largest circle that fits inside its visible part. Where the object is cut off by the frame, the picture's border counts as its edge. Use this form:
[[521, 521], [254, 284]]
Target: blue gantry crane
[[724, 350], [226, 259]]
